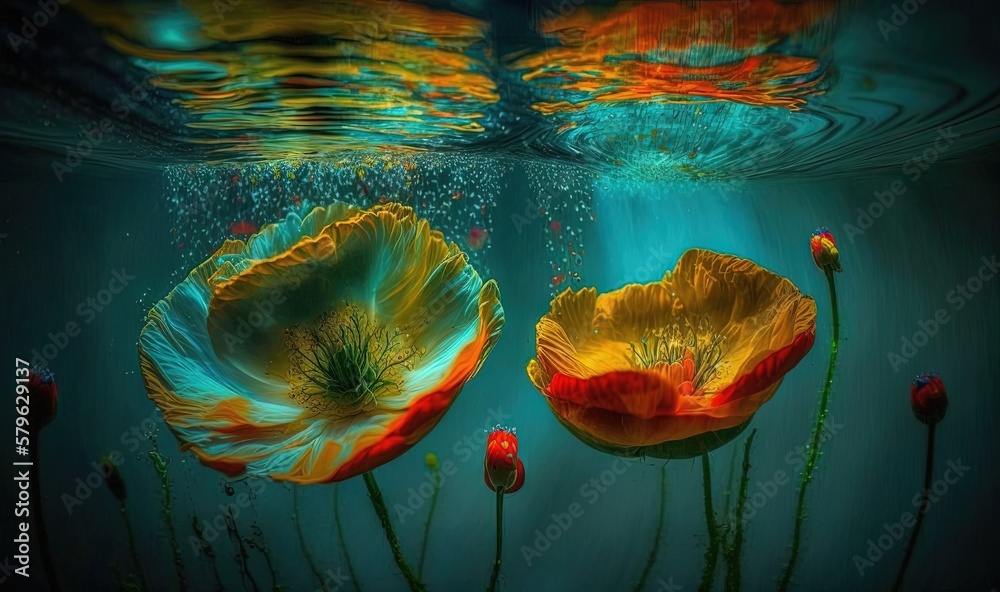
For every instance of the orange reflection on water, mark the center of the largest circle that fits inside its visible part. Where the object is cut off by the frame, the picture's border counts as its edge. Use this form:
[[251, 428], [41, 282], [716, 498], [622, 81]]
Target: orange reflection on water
[[675, 52], [346, 74]]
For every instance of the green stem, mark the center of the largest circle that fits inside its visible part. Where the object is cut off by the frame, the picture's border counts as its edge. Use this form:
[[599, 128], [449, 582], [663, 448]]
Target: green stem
[[928, 470], [258, 542], [302, 538], [206, 548], [816, 437], [735, 551], [427, 525], [340, 537], [712, 552], [499, 554], [375, 494], [131, 545], [727, 498], [160, 465], [242, 555], [659, 530], [48, 564]]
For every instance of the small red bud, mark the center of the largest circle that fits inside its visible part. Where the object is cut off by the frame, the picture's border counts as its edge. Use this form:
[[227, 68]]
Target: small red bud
[[502, 468], [928, 398]]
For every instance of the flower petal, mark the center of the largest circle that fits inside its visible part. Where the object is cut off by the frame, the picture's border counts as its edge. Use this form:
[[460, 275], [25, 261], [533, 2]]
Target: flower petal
[[213, 351]]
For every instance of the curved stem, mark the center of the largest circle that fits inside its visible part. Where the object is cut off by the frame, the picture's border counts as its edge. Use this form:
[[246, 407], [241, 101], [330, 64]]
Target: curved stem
[[499, 553], [375, 494], [735, 551], [340, 537], [659, 530], [816, 438], [160, 465], [427, 525], [48, 564], [712, 552], [131, 545], [241, 556], [302, 539], [925, 494]]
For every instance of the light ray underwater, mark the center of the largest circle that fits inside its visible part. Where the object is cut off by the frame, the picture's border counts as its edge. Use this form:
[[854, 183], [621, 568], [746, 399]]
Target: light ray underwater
[[503, 295]]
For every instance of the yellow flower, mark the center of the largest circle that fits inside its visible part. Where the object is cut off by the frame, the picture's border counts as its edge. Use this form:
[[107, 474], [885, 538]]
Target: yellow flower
[[322, 347], [676, 366]]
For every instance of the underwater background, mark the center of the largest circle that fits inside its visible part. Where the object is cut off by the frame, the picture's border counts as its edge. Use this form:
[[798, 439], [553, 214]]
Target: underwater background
[[885, 135]]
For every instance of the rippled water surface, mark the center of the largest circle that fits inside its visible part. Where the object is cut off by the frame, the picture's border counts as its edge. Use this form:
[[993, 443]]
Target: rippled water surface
[[562, 144]]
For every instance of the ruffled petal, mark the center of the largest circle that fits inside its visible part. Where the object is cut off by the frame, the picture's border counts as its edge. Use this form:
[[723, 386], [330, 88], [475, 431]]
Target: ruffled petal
[[205, 402], [586, 369], [214, 354]]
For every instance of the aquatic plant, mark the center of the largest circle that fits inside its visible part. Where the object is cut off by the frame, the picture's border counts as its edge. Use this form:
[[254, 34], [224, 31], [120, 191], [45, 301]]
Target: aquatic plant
[[655, 549], [41, 394], [256, 541], [714, 537], [826, 255], [734, 550], [205, 548], [340, 538], [160, 464], [302, 539], [125, 582], [503, 472], [242, 557], [673, 368], [116, 485], [321, 348], [929, 401], [432, 464]]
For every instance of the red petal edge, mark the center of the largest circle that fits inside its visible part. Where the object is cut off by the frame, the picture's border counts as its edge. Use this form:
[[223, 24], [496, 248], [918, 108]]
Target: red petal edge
[[768, 371]]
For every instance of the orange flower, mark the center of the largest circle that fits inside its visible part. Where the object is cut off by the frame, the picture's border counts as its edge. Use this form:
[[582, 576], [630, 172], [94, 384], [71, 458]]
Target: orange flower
[[669, 368], [322, 347], [502, 468]]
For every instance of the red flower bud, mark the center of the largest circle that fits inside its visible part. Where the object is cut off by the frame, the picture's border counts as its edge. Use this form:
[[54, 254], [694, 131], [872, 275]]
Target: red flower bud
[[43, 398], [824, 250], [928, 398], [502, 468]]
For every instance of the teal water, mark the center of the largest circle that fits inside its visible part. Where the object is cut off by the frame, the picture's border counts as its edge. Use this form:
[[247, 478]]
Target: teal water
[[148, 207]]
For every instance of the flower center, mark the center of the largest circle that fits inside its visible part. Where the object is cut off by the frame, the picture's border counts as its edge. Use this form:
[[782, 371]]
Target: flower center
[[341, 363], [688, 354]]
